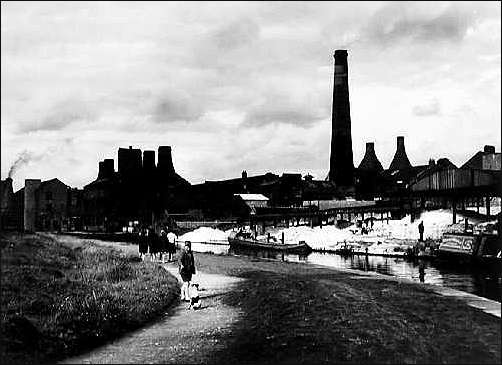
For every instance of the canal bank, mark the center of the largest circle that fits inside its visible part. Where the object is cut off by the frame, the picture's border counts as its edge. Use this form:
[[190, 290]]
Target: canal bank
[[297, 313]]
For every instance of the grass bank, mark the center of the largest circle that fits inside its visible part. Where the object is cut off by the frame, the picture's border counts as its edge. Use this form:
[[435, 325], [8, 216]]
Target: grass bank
[[58, 300], [298, 313]]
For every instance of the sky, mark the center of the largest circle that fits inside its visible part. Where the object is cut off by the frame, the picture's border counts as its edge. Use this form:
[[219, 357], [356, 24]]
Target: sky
[[242, 86]]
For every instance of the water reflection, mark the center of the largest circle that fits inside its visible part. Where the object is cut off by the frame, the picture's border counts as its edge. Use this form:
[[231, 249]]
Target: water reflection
[[484, 283]]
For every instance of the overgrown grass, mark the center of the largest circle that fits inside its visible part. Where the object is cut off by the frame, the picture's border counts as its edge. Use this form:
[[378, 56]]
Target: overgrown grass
[[57, 301]]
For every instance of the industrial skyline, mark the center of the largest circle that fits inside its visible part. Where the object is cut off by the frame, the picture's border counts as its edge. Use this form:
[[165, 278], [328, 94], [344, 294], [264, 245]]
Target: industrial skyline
[[249, 90]]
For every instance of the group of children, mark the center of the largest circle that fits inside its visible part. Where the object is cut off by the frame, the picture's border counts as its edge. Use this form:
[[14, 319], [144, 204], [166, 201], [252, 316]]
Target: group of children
[[158, 247]]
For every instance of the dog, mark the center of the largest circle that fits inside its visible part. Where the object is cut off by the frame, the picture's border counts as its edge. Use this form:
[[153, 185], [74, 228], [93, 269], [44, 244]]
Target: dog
[[195, 302]]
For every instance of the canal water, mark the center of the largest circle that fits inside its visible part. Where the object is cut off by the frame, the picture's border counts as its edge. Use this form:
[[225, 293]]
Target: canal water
[[487, 284]]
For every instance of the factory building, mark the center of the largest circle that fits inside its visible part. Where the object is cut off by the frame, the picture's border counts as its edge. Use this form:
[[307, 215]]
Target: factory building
[[39, 205], [140, 190], [487, 159]]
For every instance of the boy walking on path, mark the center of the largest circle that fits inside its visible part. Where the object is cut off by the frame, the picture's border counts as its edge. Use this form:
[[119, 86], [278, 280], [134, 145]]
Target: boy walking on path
[[187, 269]]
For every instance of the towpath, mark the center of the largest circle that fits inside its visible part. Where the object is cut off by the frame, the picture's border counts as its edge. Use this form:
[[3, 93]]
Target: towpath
[[181, 336]]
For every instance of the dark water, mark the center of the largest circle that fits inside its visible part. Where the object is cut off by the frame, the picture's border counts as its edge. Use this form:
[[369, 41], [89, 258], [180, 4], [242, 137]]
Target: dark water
[[470, 279]]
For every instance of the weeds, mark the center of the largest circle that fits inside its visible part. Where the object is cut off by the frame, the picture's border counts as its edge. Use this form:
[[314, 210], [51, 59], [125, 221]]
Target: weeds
[[57, 301]]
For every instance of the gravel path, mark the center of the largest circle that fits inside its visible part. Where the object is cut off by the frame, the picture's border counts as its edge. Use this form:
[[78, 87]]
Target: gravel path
[[181, 336]]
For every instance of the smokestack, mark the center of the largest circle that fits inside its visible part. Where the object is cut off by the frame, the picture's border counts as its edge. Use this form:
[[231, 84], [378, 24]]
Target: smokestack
[[370, 161], [341, 165], [165, 161], [30, 203], [149, 160], [7, 193], [400, 160]]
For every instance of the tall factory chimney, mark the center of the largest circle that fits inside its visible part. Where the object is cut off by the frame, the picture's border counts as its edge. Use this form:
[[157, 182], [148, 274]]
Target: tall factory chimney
[[400, 160], [165, 161], [370, 161], [30, 203], [341, 165]]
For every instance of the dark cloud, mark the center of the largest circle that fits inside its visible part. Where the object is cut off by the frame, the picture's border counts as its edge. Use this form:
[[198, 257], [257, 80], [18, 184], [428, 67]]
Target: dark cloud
[[284, 111], [236, 34], [175, 107], [407, 21], [427, 109], [60, 116]]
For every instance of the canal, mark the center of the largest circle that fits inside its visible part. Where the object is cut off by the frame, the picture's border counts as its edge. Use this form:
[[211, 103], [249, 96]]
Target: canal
[[487, 284]]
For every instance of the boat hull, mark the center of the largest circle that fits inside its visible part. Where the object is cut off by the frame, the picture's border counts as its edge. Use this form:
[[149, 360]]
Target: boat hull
[[301, 248]]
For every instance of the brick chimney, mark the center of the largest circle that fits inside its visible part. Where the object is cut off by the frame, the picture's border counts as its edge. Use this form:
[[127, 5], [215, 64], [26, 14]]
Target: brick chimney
[[341, 165]]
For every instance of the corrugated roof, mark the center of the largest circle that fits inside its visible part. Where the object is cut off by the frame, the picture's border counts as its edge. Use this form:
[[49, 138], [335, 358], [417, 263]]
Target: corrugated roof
[[252, 196]]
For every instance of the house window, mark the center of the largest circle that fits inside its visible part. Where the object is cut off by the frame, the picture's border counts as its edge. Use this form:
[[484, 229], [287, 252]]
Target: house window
[[48, 195]]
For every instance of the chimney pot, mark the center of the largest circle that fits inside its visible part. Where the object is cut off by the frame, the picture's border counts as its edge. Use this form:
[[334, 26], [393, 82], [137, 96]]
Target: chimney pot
[[489, 149]]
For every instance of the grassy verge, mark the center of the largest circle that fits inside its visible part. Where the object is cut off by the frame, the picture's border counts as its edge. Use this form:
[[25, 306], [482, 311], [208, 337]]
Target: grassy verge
[[57, 300], [296, 313]]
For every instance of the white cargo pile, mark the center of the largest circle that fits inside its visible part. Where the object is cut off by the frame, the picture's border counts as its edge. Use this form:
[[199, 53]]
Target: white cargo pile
[[205, 234], [435, 224], [384, 238]]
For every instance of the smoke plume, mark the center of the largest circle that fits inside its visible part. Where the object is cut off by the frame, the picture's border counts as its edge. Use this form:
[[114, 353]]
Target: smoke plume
[[23, 158]]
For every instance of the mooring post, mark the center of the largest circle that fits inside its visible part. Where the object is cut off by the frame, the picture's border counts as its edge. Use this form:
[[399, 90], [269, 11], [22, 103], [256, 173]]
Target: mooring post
[[488, 206], [282, 237], [454, 206]]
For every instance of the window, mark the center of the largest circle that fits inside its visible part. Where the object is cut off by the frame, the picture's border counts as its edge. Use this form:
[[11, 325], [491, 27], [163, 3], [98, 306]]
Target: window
[[48, 195]]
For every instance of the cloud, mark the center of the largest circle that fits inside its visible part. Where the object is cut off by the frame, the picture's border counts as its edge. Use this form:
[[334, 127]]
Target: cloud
[[60, 116], [177, 106], [281, 109], [410, 21], [205, 77], [429, 108], [237, 34]]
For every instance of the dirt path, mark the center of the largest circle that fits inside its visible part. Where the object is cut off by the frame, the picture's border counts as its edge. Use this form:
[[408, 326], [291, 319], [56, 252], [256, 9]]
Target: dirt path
[[181, 336]]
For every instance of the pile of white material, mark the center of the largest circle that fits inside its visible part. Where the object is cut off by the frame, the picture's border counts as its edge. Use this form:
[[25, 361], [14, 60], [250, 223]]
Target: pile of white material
[[435, 224], [205, 234], [317, 238], [384, 237]]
